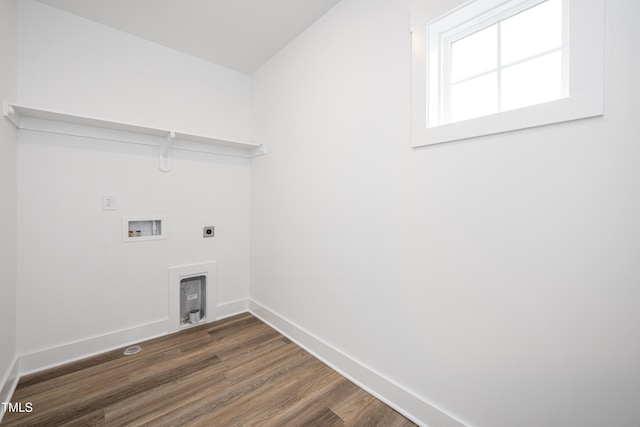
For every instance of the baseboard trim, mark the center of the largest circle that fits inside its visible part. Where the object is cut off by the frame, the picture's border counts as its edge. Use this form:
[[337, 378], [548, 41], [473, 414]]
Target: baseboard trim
[[403, 401], [9, 385], [71, 352], [231, 308], [411, 406]]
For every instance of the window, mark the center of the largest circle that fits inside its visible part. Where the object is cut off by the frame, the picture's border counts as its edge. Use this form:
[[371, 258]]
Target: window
[[492, 66], [505, 65]]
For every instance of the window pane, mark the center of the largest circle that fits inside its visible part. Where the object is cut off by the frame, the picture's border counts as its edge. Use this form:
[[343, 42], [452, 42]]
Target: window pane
[[532, 82], [474, 98], [474, 54], [531, 32]]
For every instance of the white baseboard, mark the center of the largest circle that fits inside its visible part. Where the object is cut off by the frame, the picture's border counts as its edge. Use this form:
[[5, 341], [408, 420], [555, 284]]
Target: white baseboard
[[56, 356], [384, 389], [409, 405], [231, 308], [9, 385]]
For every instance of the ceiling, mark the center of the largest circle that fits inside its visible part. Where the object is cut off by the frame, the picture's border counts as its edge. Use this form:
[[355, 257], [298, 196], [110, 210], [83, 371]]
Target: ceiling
[[238, 34]]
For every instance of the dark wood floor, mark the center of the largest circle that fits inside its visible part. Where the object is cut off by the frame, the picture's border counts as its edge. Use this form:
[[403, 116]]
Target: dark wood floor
[[237, 371]]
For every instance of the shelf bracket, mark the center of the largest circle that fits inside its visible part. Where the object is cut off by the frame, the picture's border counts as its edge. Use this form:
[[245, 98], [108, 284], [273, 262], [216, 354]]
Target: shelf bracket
[[10, 113], [165, 152], [258, 151]]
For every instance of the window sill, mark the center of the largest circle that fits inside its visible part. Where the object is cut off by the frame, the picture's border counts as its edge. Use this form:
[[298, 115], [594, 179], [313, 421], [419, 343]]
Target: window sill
[[562, 110]]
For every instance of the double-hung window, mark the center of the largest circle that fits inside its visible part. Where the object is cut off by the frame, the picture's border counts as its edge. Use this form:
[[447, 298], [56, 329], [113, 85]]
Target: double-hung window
[[492, 66]]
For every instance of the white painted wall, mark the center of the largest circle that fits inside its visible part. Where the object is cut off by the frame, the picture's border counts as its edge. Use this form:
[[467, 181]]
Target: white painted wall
[[8, 193], [77, 279], [75, 65], [495, 278]]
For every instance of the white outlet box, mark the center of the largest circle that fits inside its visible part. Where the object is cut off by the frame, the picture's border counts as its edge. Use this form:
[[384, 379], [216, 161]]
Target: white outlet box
[[143, 228]]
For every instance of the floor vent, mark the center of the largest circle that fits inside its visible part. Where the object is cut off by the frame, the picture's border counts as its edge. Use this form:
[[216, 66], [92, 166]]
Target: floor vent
[[132, 350]]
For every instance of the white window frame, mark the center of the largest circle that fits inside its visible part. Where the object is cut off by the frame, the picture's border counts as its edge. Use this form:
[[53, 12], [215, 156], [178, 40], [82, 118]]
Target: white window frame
[[583, 67]]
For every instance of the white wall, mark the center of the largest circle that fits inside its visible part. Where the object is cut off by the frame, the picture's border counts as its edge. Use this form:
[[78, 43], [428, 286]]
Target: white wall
[[495, 278], [77, 279], [8, 193], [74, 65]]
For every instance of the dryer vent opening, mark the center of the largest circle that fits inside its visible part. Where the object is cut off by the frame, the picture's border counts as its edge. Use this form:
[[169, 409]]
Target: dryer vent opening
[[193, 300]]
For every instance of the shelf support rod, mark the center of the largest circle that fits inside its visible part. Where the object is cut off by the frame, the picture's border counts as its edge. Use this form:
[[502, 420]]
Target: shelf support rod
[[165, 152]]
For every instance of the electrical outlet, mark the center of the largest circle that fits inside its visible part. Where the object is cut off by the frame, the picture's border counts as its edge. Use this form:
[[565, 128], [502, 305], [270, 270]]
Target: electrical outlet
[[208, 231], [108, 203]]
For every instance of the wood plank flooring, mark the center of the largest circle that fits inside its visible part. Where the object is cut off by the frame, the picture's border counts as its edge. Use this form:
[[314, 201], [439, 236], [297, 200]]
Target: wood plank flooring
[[234, 372]]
